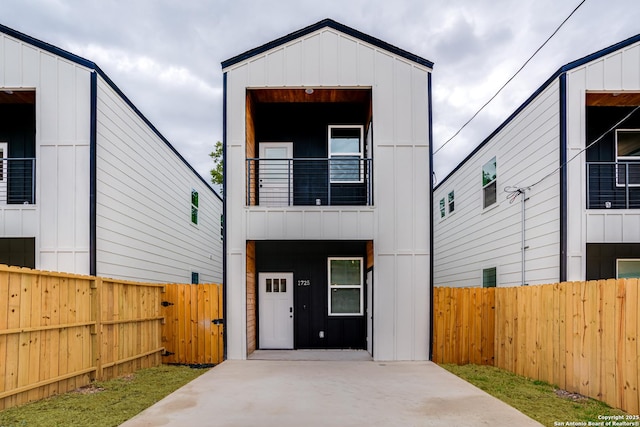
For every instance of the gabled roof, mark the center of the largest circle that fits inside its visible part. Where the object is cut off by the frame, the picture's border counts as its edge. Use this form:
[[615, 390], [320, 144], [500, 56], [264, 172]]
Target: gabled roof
[[562, 70], [93, 66], [336, 26]]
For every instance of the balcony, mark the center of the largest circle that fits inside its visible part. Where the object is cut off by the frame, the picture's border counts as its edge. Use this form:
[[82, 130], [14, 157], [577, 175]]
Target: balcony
[[338, 181], [613, 185], [17, 181]]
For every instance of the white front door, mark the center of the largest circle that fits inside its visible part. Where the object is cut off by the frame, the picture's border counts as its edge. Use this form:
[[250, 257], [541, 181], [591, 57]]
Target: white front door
[[4, 170], [276, 310], [276, 174]]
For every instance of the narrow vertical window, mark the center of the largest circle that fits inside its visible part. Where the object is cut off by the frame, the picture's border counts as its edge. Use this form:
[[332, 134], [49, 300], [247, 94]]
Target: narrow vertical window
[[345, 154], [489, 186], [489, 278], [195, 278], [450, 201], [194, 207], [442, 208]]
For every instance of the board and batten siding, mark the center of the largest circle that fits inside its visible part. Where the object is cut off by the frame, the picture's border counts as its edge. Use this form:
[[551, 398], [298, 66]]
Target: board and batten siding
[[617, 71], [59, 220], [144, 229], [471, 238], [398, 223]]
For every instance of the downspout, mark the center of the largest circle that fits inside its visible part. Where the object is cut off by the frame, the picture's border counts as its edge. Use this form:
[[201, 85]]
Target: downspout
[[430, 118], [93, 125], [224, 212], [523, 199], [563, 178]]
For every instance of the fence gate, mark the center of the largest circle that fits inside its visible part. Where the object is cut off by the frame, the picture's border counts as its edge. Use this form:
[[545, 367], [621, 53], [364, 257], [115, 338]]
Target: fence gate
[[193, 329]]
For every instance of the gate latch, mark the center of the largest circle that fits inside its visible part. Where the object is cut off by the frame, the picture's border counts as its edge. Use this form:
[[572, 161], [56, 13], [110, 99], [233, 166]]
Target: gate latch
[[218, 321]]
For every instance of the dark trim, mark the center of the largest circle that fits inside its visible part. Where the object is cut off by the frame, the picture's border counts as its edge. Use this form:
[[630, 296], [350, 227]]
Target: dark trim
[[561, 71], [563, 178], [430, 105], [336, 26], [224, 212], [92, 65], [93, 162], [46, 46]]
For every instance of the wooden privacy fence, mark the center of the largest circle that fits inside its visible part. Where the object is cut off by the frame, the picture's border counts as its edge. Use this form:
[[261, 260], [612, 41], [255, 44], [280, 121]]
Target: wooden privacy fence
[[60, 331], [579, 336], [193, 328]]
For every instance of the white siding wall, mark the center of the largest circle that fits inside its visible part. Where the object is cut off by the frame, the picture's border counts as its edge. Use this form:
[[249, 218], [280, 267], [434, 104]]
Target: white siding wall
[[60, 218], [472, 238], [618, 71], [144, 229], [399, 222]]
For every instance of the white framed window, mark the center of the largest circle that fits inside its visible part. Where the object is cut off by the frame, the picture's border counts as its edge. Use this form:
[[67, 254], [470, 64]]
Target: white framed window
[[489, 183], [627, 146], [346, 288], [194, 206], [346, 154], [450, 201], [443, 208], [627, 268], [489, 277]]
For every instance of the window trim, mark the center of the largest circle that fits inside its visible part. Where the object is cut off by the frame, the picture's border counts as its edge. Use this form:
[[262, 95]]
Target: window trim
[[195, 207], [494, 182], [495, 284], [360, 154], [624, 159], [443, 211], [330, 287], [618, 266], [451, 202]]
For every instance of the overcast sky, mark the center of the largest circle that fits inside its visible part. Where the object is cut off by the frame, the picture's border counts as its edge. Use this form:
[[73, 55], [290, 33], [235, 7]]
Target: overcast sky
[[165, 55]]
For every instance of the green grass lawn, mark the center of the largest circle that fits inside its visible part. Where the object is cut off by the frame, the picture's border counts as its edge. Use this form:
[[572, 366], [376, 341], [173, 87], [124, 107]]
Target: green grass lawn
[[537, 399], [102, 404]]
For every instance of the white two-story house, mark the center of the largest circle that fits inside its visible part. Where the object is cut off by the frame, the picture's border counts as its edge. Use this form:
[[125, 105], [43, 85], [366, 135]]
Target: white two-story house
[[327, 139], [553, 194], [87, 184]]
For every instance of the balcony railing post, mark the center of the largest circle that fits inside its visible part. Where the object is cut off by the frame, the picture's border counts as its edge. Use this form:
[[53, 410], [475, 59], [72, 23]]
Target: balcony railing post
[[289, 181], [588, 180], [329, 183], [626, 185], [33, 181]]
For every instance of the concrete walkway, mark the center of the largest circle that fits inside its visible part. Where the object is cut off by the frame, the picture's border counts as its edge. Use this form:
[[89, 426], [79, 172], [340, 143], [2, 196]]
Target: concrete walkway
[[328, 393]]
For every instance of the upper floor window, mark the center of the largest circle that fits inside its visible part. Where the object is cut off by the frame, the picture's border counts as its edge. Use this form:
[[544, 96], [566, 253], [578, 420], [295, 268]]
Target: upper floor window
[[628, 151], [450, 201], [489, 185], [346, 153], [447, 204], [443, 208], [194, 207]]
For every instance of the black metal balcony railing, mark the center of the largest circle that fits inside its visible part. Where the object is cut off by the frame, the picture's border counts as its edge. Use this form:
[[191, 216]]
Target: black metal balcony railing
[[309, 181], [613, 185], [17, 181]]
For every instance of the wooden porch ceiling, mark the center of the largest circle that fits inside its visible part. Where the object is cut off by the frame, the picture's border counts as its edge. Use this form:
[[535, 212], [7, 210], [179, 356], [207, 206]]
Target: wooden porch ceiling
[[289, 95], [613, 99], [8, 96]]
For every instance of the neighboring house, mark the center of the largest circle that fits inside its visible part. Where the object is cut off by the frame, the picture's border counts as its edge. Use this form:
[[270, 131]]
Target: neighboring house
[[327, 139], [87, 184], [580, 218]]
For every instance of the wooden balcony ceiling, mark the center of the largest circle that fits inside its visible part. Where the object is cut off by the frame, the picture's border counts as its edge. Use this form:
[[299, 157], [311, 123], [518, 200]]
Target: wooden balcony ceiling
[[613, 99], [318, 95], [8, 96]]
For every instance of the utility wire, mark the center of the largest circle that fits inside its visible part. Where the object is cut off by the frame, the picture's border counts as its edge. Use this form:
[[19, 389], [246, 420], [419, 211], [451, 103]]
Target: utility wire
[[595, 141], [510, 79]]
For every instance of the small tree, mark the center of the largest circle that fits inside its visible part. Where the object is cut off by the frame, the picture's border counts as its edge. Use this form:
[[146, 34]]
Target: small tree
[[216, 172]]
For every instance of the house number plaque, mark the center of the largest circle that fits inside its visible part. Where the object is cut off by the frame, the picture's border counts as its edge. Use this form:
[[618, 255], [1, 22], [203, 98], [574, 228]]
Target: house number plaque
[[304, 282]]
